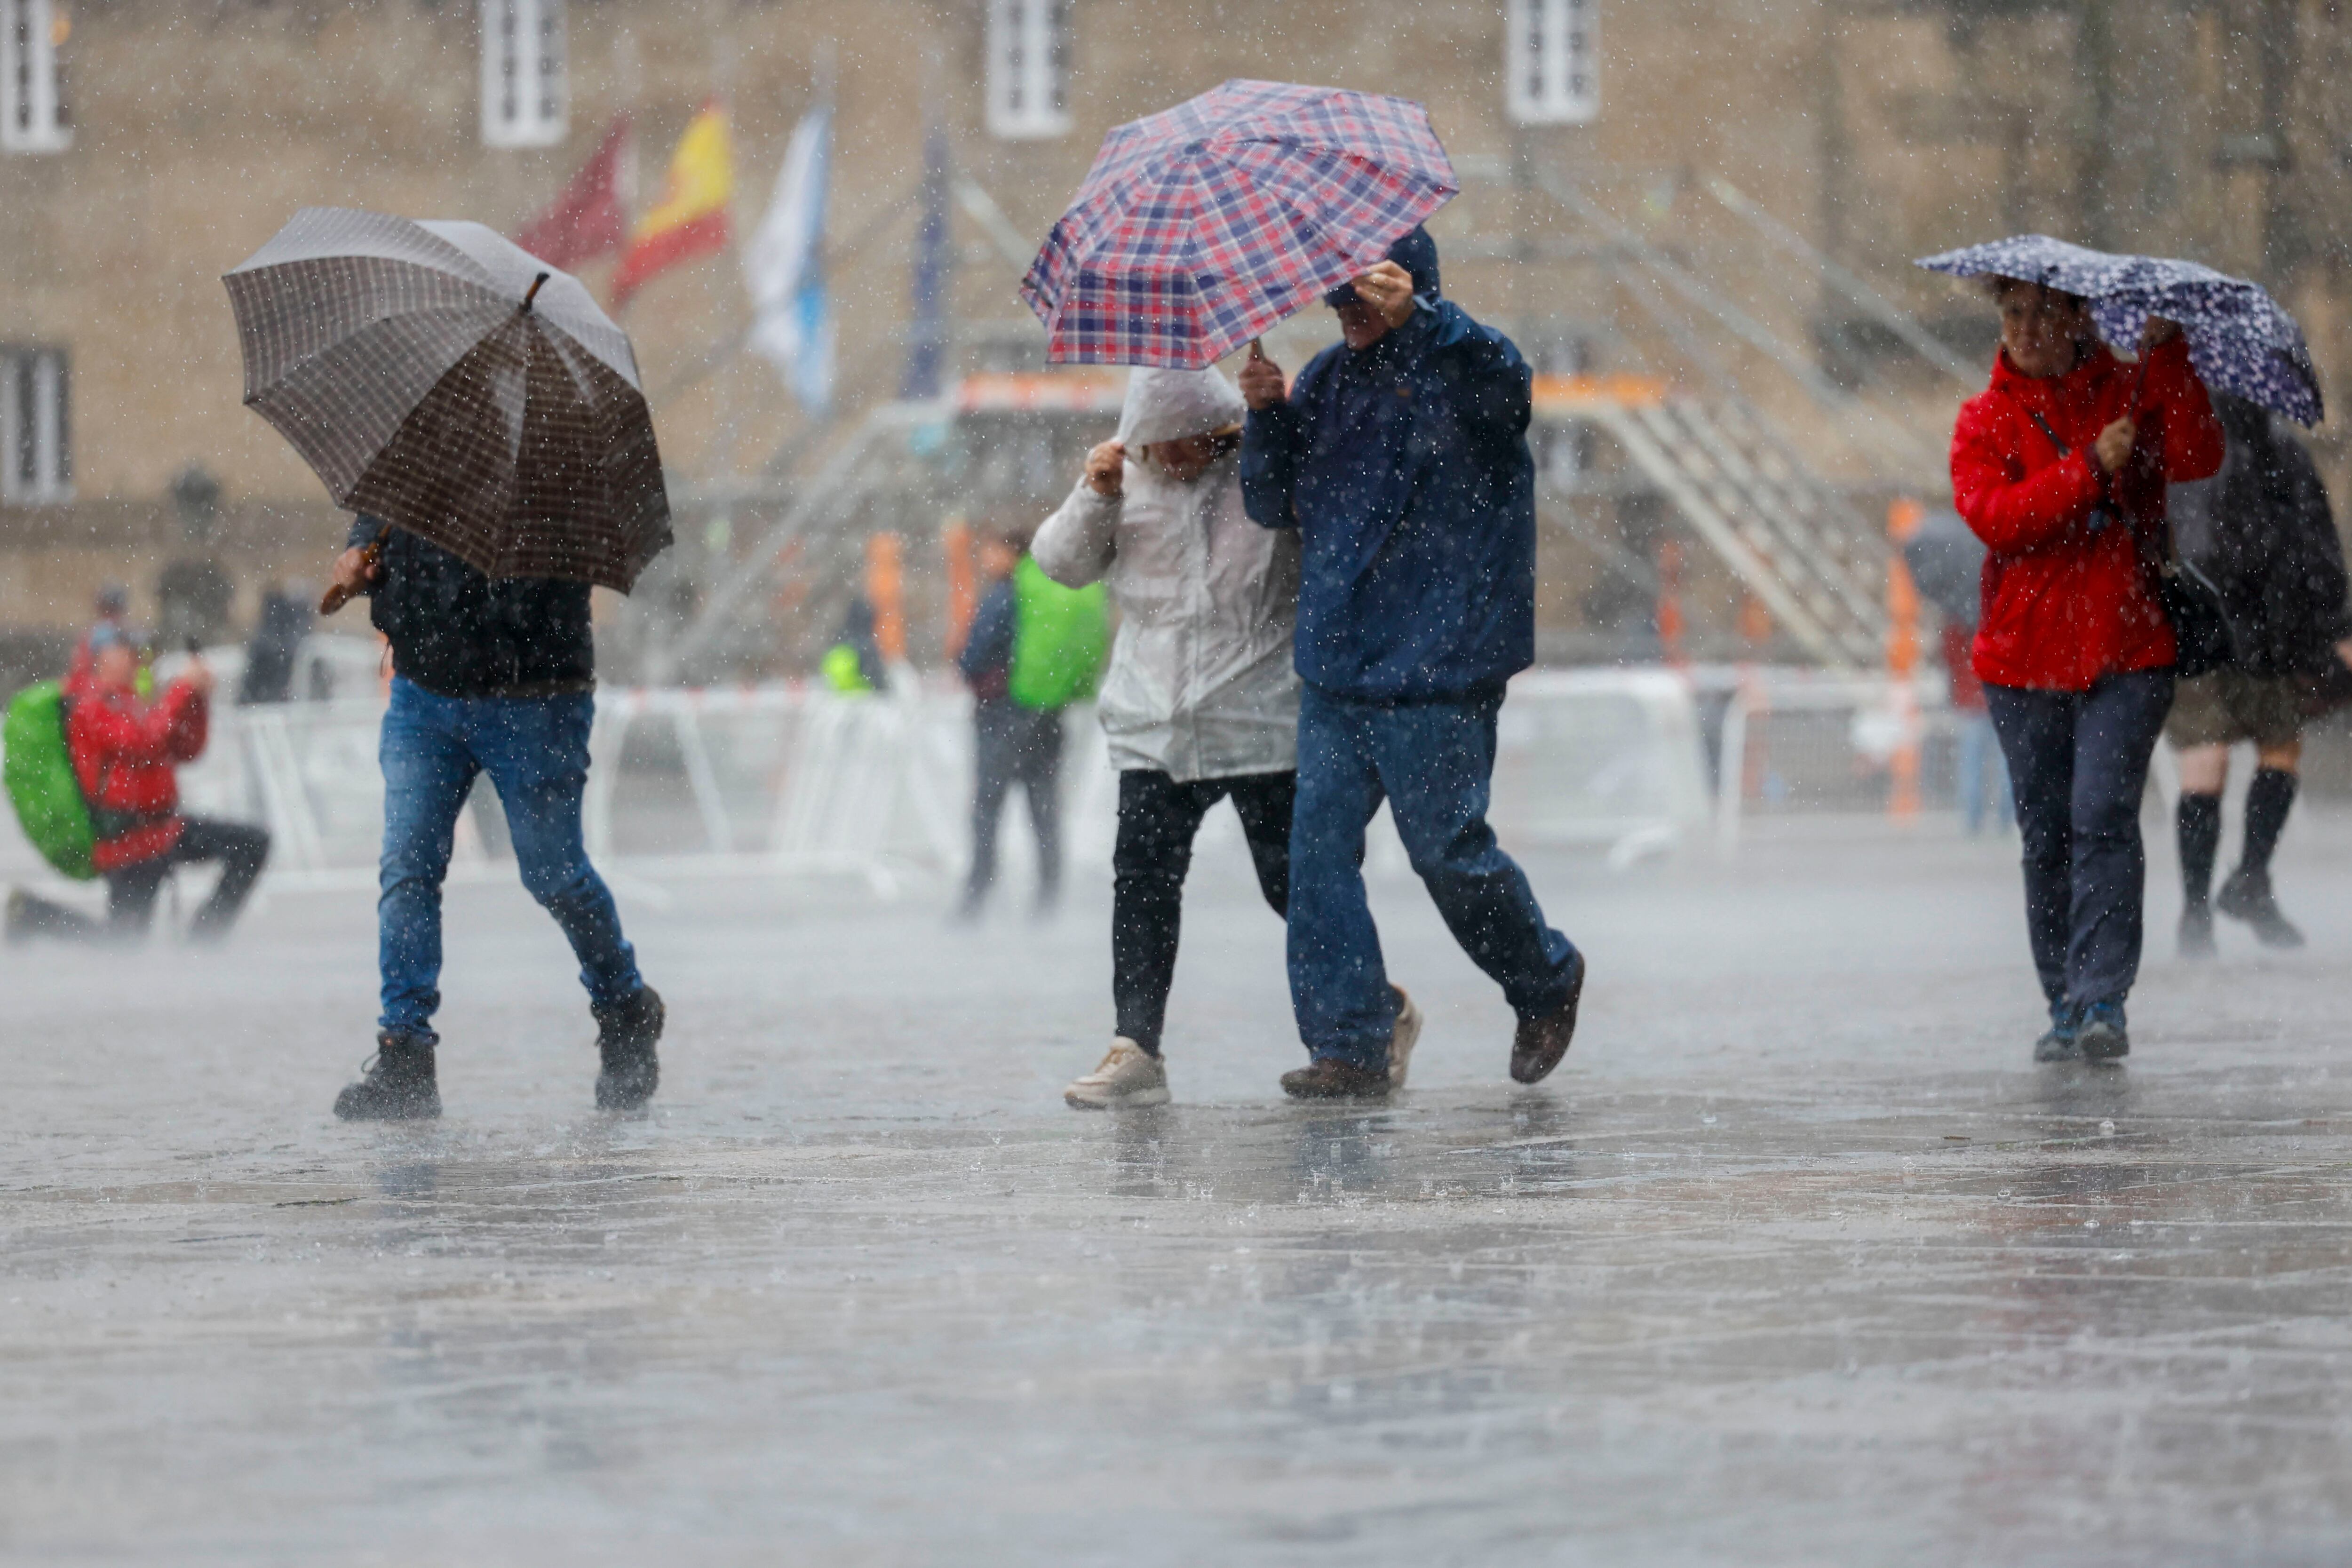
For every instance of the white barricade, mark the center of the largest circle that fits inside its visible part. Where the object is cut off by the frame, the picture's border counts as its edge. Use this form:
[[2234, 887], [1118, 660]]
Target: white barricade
[[788, 780]]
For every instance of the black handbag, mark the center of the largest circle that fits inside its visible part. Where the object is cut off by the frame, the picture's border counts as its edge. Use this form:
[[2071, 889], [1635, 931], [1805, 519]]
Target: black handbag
[[2202, 641], [2200, 631]]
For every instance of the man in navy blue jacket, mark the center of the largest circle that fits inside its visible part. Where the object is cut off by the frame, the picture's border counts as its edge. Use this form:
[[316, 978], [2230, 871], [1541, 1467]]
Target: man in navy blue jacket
[[1401, 455]]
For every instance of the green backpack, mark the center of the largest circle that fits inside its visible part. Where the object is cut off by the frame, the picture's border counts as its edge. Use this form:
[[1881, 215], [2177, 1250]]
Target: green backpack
[[39, 772], [1059, 637]]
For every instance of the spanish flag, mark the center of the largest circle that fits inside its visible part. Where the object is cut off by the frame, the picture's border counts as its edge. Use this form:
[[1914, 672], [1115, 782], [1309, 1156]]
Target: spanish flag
[[690, 219]]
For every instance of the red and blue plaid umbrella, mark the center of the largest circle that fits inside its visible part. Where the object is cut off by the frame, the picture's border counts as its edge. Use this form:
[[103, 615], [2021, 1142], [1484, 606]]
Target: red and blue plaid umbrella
[[1200, 227]]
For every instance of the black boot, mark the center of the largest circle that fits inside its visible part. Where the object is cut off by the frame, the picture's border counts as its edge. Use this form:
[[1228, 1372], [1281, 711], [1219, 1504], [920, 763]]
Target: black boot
[[396, 1085], [2247, 897], [2198, 823], [625, 1034]]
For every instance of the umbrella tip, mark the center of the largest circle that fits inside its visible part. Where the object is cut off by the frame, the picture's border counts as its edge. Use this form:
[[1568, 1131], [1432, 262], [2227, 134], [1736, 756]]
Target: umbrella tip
[[535, 283]]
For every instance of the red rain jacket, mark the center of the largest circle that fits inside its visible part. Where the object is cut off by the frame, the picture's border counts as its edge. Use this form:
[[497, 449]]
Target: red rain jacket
[[123, 754], [2064, 607]]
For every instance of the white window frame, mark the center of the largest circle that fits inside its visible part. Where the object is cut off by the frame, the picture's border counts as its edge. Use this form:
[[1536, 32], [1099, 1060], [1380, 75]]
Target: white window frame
[[1551, 61], [33, 116], [1028, 45], [35, 427], [526, 73]]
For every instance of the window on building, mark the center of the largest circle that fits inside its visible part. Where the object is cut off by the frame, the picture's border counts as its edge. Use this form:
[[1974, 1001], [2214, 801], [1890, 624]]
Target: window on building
[[526, 91], [1028, 67], [35, 432], [32, 84], [1552, 55]]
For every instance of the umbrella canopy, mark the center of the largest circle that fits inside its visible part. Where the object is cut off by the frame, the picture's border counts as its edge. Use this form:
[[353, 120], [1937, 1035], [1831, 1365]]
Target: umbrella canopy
[[445, 380], [1201, 227], [2238, 338]]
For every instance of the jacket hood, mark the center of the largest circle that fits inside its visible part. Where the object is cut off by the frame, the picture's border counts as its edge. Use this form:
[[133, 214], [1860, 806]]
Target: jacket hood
[[1169, 405], [1417, 254]]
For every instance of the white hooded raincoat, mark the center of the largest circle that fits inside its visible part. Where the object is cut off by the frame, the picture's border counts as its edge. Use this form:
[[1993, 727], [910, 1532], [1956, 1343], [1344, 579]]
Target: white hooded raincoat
[[1200, 684]]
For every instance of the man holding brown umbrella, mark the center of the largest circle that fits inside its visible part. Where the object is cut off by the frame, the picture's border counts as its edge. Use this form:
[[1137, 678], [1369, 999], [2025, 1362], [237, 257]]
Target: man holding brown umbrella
[[496, 678], [486, 422]]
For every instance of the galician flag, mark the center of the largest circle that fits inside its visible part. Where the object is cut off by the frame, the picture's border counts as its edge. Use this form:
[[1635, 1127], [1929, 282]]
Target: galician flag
[[690, 219], [792, 322]]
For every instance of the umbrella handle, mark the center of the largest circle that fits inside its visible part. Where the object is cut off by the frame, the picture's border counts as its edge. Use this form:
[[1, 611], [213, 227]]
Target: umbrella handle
[[337, 596]]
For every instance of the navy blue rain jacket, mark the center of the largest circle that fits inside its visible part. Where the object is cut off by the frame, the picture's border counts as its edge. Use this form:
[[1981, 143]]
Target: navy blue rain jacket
[[1405, 468]]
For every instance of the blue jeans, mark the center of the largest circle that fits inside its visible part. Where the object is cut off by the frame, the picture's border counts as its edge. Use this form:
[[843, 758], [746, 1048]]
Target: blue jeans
[[535, 750], [1432, 763], [2079, 760], [1983, 775]]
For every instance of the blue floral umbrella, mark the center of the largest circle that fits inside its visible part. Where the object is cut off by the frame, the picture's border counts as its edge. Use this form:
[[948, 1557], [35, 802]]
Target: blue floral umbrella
[[2238, 338]]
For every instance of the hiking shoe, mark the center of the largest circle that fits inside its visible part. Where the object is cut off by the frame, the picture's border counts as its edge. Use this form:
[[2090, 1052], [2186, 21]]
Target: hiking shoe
[[2059, 1042], [2197, 932], [2100, 1037], [1402, 1038], [2248, 897], [396, 1084], [625, 1033], [1539, 1044], [1330, 1079], [1129, 1078]]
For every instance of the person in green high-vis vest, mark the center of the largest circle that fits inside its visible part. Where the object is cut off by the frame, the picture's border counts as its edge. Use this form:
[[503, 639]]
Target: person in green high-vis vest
[[1034, 648]]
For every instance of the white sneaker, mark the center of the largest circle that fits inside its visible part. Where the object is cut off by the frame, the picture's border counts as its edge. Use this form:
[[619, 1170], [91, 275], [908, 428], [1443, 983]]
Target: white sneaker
[[1406, 1035], [1128, 1077]]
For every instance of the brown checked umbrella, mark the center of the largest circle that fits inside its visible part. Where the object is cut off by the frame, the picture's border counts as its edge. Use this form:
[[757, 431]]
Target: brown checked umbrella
[[447, 381]]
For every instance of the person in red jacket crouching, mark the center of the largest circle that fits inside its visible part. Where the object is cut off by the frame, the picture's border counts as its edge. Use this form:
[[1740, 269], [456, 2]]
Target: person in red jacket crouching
[[124, 750], [2060, 468]]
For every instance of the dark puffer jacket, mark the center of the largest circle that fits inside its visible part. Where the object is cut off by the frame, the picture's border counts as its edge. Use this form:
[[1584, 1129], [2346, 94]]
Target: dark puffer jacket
[[2261, 528], [458, 633]]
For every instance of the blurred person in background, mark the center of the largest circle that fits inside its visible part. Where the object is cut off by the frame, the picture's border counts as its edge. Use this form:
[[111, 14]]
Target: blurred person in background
[[276, 646], [1401, 458], [1034, 648], [1983, 775], [1201, 701], [2263, 533], [497, 677], [125, 750], [852, 665], [2059, 467], [110, 609]]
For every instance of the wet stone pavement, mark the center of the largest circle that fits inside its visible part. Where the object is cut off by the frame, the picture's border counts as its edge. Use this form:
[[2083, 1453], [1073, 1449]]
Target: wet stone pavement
[[1798, 1260]]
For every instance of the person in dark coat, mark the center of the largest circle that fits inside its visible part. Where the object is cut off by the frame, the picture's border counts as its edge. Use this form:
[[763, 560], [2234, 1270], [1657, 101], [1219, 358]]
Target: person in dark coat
[[275, 647], [1011, 743], [2060, 466], [1401, 455], [2263, 533], [494, 677]]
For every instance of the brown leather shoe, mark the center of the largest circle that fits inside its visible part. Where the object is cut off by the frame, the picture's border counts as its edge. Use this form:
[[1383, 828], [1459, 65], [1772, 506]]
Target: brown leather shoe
[[1329, 1080], [1539, 1044]]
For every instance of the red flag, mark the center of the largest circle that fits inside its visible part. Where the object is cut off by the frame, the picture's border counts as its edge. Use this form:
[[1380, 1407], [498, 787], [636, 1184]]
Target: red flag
[[690, 219], [588, 218]]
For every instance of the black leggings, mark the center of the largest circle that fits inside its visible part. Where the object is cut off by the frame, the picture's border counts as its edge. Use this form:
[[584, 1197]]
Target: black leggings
[[1157, 819], [240, 849]]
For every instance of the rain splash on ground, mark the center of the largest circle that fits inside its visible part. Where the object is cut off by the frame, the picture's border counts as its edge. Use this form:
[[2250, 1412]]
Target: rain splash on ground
[[1797, 1261]]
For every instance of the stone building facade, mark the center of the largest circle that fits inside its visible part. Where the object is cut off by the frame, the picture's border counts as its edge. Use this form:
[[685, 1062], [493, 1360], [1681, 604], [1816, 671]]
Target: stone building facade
[[175, 138]]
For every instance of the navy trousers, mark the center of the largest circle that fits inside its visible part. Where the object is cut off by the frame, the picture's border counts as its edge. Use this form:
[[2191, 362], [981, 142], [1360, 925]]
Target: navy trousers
[[2077, 766], [1433, 762]]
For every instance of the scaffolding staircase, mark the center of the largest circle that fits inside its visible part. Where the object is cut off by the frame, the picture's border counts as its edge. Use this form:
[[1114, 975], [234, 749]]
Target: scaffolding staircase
[[1789, 535]]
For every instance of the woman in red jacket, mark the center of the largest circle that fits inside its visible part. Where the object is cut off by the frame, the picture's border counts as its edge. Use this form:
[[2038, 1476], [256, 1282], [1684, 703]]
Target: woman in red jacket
[[2060, 468]]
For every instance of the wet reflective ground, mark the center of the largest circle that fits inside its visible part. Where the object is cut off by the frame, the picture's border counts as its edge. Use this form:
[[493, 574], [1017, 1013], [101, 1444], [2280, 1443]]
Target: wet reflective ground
[[1798, 1260]]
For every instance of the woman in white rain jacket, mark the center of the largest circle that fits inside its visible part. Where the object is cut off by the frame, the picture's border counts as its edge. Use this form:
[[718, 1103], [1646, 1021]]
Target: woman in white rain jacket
[[1201, 701]]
